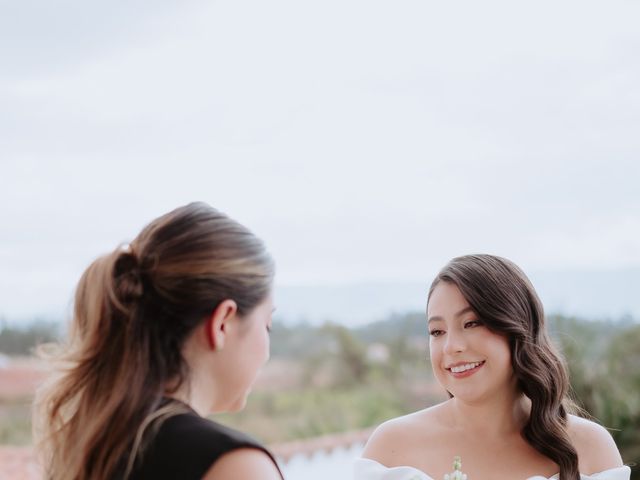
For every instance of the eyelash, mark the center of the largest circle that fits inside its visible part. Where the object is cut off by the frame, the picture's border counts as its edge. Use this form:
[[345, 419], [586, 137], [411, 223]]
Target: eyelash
[[475, 323]]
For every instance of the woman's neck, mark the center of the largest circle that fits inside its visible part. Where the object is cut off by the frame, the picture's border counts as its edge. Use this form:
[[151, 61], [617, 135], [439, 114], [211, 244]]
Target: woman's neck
[[193, 391], [496, 417], [198, 389]]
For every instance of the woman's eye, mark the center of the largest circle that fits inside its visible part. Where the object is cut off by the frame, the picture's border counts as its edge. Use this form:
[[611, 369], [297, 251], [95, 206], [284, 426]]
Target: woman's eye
[[472, 323], [436, 333]]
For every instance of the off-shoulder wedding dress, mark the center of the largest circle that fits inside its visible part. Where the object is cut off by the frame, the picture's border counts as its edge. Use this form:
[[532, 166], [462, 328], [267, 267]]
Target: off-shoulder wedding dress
[[367, 469]]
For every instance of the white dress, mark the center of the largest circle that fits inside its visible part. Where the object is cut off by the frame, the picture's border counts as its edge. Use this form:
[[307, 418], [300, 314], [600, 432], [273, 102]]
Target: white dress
[[367, 469]]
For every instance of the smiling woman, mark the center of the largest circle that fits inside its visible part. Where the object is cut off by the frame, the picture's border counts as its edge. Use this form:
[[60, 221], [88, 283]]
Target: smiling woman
[[165, 330], [490, 350]]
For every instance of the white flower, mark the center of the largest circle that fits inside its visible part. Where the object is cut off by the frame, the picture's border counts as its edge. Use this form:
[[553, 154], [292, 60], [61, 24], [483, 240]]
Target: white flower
[[457, 471]]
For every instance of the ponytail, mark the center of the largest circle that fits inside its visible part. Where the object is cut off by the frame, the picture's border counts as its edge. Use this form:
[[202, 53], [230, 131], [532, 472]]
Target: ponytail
[[100, 393]]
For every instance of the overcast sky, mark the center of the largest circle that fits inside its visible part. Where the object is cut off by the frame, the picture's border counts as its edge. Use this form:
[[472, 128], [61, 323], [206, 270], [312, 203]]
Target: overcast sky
[[363, 140]]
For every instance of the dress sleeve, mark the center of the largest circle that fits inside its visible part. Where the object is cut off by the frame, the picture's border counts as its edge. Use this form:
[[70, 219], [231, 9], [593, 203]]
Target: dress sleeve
[[619, 473], [367, 469]]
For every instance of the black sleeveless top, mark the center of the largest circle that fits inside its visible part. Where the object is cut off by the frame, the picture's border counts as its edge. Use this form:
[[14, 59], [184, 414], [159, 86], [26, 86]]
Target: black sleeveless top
[[186, 445]]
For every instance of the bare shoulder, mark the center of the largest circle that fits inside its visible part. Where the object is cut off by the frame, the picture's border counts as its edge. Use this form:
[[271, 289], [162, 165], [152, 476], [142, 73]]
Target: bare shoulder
[[243, 464], [596, 449], [394, 436]]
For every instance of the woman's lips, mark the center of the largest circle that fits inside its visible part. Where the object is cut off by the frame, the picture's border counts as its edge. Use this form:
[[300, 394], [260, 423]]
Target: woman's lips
[[467, 372]]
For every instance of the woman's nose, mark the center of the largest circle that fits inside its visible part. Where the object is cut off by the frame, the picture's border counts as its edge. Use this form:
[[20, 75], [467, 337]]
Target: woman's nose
[[454, 342]]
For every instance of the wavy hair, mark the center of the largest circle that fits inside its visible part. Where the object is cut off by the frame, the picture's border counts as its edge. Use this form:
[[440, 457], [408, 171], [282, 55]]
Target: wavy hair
[[506, 302], [133, 310]]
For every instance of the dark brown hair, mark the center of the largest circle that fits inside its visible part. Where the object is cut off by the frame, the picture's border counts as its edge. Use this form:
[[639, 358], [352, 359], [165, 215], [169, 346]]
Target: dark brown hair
[[133, 310], [506, 303]]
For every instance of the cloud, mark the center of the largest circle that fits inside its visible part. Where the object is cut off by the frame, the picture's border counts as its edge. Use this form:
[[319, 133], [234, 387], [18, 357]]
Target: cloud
[[362, 140]]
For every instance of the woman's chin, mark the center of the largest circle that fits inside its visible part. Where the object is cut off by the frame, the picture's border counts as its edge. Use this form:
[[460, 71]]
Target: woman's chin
[[238, 404], [231, 405]]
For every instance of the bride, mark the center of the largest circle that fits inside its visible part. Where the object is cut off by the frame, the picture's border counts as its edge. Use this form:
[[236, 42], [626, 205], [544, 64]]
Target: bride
[[508, 413]]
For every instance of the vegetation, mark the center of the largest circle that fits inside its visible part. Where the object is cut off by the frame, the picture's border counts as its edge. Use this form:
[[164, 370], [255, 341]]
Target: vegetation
[[22, 340], [338, 379], [604, 363]]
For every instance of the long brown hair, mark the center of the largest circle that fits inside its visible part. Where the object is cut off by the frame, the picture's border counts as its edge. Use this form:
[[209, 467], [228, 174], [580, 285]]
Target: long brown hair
[[133, 310], [506, 302]]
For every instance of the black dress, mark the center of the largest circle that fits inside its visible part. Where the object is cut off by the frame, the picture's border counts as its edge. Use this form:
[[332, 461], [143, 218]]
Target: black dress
[[186, 445]]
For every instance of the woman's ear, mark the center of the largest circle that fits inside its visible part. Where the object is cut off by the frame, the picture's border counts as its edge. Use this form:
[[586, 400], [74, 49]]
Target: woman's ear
[[217, 325]]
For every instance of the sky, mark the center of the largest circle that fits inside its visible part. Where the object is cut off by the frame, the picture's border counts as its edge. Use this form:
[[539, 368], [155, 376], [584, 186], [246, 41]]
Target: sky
[[364, 141]]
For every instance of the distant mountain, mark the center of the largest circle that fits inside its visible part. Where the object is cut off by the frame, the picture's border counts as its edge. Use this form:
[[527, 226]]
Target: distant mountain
[[352, 305], [588, 294], [605, 294]]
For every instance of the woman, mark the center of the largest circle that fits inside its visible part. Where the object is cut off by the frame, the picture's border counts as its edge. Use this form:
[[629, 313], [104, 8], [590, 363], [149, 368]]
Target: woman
[[165, 331], [507, 416]]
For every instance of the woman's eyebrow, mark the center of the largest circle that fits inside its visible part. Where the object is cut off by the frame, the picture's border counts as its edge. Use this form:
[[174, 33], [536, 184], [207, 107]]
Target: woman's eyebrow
[[463, 311], [437, 318]]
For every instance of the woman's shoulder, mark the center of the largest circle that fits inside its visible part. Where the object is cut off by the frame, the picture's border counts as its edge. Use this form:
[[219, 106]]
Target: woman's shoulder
[[197, 428], [244, 463], [227, 452], [194, 435], [391, 439], [597, 451], [190, 445]]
